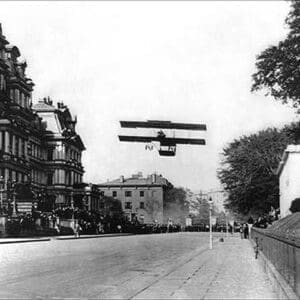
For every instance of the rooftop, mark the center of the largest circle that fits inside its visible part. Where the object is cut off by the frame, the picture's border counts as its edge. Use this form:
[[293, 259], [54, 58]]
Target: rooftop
[[137, 179]]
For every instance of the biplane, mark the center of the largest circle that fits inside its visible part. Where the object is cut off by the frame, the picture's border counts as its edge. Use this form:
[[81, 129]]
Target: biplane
[[167, 144]]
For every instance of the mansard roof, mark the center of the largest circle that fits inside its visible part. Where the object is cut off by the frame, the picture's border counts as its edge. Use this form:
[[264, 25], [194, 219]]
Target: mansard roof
[[13, 49], [58, 120], [2, 37], [43, 106]]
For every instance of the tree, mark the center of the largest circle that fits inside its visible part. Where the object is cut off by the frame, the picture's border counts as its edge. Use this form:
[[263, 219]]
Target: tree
[[278, 67], [111, 206], [295, 205], [200, 206], [248, 170], [176, 205]]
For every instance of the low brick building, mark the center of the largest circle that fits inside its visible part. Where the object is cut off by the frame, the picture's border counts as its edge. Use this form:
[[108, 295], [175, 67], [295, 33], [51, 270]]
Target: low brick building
[[141, 198]]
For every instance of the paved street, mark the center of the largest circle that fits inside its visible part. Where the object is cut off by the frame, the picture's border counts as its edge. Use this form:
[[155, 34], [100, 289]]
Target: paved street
[[174, 265]]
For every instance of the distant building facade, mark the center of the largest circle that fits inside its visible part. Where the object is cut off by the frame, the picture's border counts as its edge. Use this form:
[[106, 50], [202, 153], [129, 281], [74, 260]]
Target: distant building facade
[[141, 198], [39, 146]]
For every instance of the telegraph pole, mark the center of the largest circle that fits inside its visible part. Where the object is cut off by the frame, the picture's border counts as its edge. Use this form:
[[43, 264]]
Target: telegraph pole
[[1, 192], [210, 223], [14, 212]]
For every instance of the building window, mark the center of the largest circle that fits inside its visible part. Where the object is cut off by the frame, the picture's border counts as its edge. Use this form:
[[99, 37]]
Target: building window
[[128, 194], [142, 194], [50, 154], [142, 205], [101, 205], [50, 179], [128, 205], [114, 193]]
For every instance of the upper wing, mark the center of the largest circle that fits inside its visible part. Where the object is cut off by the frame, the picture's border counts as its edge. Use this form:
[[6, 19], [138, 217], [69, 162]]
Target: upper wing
[[140, 139], [162, 124]]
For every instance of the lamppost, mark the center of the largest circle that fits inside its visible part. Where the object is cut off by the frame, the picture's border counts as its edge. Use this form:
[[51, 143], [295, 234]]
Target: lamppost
[[210, 202], [226, 218], [1, 193], [14, 212]]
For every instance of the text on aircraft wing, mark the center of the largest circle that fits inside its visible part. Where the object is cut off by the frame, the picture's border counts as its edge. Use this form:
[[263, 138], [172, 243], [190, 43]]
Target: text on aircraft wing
[[162, 124]]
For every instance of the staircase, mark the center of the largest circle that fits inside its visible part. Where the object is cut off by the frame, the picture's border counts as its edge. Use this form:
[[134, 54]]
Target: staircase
[[24, 207]]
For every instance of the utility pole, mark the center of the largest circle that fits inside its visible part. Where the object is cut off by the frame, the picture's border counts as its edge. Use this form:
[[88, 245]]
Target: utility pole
[[14, 212], [1, 192], [210, 223], [226, 226]]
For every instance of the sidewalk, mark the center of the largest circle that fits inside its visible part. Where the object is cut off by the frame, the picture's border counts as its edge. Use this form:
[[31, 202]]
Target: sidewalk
[[228, 271], [58, 237]]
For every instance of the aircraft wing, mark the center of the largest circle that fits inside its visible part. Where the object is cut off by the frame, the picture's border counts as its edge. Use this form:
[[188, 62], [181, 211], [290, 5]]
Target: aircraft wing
[[139, 139], [175, 141], [162, 124], [163, 141]]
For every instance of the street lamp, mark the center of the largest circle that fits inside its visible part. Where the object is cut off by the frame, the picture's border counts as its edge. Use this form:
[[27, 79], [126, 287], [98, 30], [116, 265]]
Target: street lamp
[[14, 212], [1, 192], [210, 202], [72, 204]]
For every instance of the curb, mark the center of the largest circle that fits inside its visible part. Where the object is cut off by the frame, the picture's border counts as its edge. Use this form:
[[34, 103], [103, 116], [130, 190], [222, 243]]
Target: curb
[[92, 236], [283, 289], [25, 241]]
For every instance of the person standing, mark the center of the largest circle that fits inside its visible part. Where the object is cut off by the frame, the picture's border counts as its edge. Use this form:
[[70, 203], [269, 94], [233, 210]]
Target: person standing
[[77, 230], [242, 230], [250, 224], [246, 231]]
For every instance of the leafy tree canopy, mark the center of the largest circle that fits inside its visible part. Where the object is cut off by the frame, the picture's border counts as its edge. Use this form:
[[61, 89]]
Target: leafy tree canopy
[[176, 206], [248, 170], [278, 67], [295, 205]]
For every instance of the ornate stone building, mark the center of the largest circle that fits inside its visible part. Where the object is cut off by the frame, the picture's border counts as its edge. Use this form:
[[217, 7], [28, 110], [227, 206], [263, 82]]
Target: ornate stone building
[[40, 151]]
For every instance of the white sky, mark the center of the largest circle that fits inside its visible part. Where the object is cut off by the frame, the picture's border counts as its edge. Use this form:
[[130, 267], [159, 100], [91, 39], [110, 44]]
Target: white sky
[[177, 61]]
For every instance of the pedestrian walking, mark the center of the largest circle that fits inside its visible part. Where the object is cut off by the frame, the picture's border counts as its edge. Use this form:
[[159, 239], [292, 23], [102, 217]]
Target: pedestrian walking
[[119, 227], [242, 230], [246, 231], [56, 227], [77, 230]]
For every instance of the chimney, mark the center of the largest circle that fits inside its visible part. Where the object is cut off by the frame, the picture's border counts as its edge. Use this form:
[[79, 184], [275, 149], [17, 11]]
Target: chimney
[[121, 178]]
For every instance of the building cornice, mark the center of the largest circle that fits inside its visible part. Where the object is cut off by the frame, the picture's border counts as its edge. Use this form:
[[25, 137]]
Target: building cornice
[[289, 149]]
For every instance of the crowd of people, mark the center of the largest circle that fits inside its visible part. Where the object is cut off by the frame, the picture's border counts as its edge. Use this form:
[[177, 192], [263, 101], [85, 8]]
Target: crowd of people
[[84, 222], [267, 219], [92, 222]]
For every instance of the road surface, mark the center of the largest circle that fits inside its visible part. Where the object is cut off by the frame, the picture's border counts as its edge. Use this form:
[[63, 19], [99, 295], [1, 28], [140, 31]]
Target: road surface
[[140, 266]]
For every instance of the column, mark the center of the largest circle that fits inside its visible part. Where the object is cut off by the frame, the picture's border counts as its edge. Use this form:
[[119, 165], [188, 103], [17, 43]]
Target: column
[[26, 149], [63, 151], [62, 176], [72, 177], [13, 150], [6, 175], [56, 176], [1, 139], [6, 141], [20, 147]]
